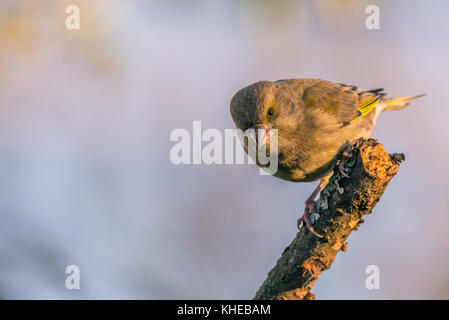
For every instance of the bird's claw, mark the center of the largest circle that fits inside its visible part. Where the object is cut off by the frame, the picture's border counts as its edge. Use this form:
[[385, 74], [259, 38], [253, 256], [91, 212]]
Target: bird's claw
[[341, 166], [343, 157], [306, 218]]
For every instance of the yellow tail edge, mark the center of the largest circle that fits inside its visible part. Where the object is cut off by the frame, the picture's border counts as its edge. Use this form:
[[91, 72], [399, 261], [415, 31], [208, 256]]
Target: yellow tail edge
[[399, 103]]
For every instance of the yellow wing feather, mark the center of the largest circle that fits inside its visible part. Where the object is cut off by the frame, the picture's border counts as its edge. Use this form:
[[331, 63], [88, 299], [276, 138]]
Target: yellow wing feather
[[366, 105]]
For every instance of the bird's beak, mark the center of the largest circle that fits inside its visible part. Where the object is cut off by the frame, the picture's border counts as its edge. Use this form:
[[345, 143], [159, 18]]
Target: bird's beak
[[258, 127]]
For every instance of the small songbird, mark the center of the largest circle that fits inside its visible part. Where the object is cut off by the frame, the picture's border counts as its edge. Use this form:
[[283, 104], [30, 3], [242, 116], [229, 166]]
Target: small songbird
[[315, 121]]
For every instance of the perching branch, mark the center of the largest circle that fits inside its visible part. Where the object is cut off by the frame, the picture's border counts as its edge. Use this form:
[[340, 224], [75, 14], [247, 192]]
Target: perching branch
[[341, 207]]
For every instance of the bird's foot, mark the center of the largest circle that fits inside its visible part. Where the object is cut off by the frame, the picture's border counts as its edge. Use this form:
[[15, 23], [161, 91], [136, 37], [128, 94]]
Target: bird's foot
[[310, 207], [343, 156], [341, 166]]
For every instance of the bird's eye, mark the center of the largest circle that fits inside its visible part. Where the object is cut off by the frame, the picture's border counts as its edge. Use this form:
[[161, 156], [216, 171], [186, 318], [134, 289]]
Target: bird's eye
[[270, 111]]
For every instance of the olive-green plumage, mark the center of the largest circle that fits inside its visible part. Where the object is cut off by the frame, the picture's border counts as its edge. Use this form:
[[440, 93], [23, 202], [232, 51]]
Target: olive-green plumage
[[314, 118]]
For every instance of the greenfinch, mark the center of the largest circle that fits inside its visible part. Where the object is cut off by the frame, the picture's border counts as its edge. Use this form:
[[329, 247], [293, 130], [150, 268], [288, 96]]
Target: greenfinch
[[315, 120]]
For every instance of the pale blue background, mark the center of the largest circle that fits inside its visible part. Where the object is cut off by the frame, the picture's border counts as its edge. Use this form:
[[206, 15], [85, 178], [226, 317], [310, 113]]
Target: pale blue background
[[85, 119]]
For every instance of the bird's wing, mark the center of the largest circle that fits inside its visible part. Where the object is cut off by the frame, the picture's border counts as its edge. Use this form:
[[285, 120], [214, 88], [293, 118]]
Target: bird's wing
[[348, 103]]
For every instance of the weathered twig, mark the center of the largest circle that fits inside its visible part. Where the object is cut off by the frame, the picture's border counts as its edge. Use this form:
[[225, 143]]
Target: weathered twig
[[341, 207]]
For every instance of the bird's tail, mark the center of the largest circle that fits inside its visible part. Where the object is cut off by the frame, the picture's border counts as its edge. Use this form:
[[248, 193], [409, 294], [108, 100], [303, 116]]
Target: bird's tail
[[398, 103]]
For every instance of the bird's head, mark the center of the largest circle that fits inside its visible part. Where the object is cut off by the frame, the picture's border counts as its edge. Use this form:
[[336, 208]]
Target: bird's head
[[261, 107]]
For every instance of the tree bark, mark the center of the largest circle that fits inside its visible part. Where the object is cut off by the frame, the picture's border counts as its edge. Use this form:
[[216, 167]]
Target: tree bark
[[340, 209]]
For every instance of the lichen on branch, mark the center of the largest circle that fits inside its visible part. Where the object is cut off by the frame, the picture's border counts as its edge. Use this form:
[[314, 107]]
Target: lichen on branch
[[340, 209]]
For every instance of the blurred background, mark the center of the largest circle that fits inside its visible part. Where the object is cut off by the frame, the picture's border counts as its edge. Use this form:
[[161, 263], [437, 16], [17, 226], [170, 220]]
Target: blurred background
[[85, 121]]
